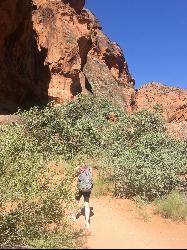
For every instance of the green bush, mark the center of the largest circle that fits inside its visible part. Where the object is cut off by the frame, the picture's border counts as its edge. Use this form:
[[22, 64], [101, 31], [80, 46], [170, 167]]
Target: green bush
[[151, 168], [173, 206], [27, 182], [102, 187], [145, 161]]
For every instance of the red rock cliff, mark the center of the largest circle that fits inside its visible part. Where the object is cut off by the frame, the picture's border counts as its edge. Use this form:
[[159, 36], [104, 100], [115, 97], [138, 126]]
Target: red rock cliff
[[80, 57], [171, 101], [56, 49]]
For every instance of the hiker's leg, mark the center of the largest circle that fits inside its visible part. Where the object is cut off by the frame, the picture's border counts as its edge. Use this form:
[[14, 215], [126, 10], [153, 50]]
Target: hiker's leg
[[87, 214], [87, 209]]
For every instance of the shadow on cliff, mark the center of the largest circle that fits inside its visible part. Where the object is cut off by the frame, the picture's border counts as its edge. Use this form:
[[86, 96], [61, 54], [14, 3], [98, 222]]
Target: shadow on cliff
[[37, 93], [24, 76]]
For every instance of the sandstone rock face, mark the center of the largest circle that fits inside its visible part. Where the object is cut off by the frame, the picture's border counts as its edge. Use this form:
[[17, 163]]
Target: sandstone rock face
[[171, 101], [177, 129], [81, 59], [55, 49]]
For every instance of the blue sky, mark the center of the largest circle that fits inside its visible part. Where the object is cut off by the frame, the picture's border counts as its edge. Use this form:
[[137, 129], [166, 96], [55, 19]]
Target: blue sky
[[152, 34]]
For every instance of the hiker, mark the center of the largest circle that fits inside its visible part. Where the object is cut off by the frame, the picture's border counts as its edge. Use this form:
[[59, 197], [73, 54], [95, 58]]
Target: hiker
[[84, 187]]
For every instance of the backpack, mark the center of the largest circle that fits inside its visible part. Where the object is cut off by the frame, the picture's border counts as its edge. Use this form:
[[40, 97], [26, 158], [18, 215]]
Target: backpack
[[85, 181]]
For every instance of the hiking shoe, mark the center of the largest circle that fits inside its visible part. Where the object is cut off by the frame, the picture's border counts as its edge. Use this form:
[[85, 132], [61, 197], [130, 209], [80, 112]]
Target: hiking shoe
[[87, 225]]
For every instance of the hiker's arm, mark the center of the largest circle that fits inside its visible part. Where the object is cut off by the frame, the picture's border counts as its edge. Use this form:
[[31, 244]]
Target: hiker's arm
[[77, 174]]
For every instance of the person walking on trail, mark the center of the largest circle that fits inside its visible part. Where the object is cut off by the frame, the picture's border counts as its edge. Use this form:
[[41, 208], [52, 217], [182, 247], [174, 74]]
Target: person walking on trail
[[84, 188]]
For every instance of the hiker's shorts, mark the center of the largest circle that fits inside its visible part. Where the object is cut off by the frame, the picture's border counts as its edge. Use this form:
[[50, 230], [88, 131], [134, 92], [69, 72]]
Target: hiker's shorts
[[86, 195]]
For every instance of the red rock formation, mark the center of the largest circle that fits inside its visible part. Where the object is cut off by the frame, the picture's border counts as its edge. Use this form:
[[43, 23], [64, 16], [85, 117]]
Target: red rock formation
[[80, 57], [170, 100], [58, 50], [177, 129]]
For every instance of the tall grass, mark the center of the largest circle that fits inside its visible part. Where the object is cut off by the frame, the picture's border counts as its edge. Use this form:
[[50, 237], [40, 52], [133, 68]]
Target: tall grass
[[173, 206]]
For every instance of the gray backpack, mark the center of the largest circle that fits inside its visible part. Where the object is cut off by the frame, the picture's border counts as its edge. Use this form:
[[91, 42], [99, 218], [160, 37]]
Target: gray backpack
[[85, 181]]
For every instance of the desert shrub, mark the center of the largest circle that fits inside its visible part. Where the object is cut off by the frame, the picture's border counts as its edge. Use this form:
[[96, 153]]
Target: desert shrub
[[30, 199], [102, 186], [144, 121], [143, 159], [29, 223], [173, 206], [90, 107], [151, 168]]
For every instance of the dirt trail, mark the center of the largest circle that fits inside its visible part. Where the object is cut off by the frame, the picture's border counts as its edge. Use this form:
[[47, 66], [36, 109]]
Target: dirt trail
[[115, 224]]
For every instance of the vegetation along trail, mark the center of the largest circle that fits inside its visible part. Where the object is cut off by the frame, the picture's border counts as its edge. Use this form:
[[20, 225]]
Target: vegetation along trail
[[117, 224]]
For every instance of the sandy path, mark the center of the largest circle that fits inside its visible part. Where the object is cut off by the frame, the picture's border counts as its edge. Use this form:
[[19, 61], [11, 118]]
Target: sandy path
[[115, 224]]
